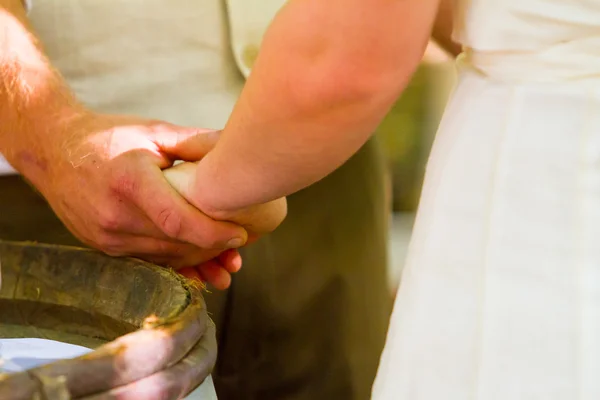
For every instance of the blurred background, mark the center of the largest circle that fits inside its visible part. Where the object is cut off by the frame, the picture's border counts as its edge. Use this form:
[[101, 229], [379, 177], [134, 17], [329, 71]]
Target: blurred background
[[407, 134]]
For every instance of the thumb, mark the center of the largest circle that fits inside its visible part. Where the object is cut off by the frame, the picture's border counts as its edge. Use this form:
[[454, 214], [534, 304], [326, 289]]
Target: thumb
[[182, 178], [187, 144]]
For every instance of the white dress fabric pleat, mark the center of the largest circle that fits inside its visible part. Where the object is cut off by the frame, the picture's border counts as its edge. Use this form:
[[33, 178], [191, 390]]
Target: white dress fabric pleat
[[500, 296]]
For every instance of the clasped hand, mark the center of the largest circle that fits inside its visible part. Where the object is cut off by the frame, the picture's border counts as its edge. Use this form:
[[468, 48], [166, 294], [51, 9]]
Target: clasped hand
[[105, 181]]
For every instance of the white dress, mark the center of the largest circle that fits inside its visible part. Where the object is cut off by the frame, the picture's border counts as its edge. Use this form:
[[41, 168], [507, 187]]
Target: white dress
[[500, 297]]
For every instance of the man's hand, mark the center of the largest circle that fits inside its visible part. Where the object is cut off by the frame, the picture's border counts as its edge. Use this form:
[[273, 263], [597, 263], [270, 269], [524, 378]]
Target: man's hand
[[102, 176], [257, 219]]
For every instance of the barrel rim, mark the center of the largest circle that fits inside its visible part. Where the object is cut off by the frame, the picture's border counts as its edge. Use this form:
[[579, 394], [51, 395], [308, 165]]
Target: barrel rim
[[117, 365]]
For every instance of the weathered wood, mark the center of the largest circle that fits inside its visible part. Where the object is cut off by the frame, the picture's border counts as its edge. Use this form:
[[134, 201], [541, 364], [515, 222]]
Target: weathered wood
[[81, 296]]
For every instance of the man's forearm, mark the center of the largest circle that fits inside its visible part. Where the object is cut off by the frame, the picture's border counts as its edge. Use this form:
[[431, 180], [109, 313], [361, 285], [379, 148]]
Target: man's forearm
[[34, 100], [327, 73]]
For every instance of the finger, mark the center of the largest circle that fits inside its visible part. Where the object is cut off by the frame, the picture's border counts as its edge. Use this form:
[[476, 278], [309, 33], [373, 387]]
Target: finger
[[215, 274], [161, 252], [252, 238], [178, 219], [191, 273], [196, 257], [259, 218], [128, 245], [182, 178], [231, 260], [130, 220], [188, 144]]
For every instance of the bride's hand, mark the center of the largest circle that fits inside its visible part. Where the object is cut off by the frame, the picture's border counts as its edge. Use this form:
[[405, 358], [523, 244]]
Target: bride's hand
[[257, 220], [217, 271]]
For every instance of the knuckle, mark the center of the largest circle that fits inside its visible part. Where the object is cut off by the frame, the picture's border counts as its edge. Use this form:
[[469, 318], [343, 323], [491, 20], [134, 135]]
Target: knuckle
[[170, 223], [123, 183], [109, 220]]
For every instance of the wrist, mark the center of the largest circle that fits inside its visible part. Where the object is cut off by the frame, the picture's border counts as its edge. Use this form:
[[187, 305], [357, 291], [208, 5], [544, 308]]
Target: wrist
[[209, 189], [199, 184], [219, 201], [35, 103], [39, 143], [216, 198]]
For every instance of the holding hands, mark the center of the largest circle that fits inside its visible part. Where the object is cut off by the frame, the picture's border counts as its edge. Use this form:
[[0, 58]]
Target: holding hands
[[104, 180]]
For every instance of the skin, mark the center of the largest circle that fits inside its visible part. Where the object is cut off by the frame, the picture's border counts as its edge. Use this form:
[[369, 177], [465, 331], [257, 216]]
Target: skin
[[442, 28], [102, 173], [327, 74]]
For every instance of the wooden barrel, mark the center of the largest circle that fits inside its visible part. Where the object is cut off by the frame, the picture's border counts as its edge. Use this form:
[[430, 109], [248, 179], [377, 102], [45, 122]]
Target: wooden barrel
[[148, 327]]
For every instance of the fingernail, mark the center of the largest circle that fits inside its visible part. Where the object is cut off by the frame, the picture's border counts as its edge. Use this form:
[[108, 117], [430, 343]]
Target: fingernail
[[235, 243]]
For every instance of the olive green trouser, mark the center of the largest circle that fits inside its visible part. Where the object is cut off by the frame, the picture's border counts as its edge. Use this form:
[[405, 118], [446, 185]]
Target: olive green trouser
[[306, 318]]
